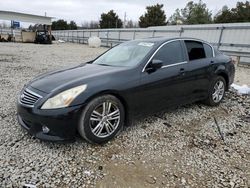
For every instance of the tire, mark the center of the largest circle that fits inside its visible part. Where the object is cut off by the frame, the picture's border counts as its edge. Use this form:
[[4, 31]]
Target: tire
[[98, 125], [213, 98]]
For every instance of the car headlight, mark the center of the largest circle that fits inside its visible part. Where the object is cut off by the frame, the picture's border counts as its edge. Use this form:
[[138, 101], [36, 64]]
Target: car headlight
[[64, 98]]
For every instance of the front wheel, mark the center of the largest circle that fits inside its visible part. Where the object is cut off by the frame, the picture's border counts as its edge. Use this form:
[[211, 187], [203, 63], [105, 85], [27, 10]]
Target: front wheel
[[216, 91], [102, 119]]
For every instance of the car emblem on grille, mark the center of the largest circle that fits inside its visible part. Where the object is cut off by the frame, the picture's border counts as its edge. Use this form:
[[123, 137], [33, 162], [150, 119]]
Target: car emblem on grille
[[22, 96]]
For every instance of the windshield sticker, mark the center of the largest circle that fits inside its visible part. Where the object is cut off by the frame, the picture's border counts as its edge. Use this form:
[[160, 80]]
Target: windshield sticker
[[147, 44]]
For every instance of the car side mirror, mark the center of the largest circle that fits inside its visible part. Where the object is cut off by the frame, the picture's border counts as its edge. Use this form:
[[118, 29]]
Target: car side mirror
[[154, 65]]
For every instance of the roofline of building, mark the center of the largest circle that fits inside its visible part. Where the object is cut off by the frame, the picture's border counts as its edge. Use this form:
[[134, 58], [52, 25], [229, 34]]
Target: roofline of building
[[23, 17]]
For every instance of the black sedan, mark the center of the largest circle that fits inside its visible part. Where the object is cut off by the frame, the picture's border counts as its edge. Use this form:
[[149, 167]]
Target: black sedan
[[95, 99]]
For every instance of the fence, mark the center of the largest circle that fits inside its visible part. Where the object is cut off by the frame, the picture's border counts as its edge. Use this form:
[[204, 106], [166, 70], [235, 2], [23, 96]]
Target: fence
[[5, 31], [232, 39]]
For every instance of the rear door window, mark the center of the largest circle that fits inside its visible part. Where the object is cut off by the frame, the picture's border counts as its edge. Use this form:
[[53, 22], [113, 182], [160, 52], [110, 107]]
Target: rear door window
[[170, 53], [208, 50], [195, 50]]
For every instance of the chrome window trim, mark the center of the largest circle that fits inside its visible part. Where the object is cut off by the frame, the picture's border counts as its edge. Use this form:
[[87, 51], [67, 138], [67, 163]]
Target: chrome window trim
[[171, 65], [197, 40]]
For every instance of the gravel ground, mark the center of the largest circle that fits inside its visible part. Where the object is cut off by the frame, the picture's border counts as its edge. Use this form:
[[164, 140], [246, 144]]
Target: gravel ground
[[178, 148], [242, 76]]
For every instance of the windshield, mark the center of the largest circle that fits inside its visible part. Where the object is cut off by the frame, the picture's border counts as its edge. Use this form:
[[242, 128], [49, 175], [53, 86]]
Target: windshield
[[126, 54]]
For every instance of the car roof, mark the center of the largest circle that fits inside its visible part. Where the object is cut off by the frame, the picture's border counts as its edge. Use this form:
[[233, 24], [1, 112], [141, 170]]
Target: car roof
[[166, 39]]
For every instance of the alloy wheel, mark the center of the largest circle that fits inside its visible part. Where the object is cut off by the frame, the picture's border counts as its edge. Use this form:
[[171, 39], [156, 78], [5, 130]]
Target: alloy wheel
[[219, 90], [104, 119]]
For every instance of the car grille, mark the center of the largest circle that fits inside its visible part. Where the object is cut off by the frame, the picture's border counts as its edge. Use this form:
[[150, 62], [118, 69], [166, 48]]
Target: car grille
[[29, 98]]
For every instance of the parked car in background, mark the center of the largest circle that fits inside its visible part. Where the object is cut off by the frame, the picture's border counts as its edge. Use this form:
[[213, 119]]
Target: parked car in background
[[136, 77]]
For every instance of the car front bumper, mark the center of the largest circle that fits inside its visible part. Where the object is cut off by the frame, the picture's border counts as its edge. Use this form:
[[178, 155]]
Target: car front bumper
[[61, 124]]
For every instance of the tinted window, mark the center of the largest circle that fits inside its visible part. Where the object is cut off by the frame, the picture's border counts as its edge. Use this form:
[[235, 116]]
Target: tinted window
[[170, 53], [208, 50], [195, 50]]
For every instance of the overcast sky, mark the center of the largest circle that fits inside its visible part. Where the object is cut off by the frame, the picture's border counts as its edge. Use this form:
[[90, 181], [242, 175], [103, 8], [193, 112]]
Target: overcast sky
[[86, 10]]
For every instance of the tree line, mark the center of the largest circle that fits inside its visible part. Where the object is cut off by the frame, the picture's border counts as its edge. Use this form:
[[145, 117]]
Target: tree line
[[63, 25], [192, 13]]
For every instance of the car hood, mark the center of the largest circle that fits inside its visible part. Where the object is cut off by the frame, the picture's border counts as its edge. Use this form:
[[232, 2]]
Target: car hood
[[57, 79]]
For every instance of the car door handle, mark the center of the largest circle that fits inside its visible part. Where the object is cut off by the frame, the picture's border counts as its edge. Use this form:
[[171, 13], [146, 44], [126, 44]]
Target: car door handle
[[182, 71]]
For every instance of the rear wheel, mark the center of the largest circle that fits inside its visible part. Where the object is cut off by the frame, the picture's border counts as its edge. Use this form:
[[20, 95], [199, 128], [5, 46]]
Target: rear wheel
[[216, 91], [102, 119]]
